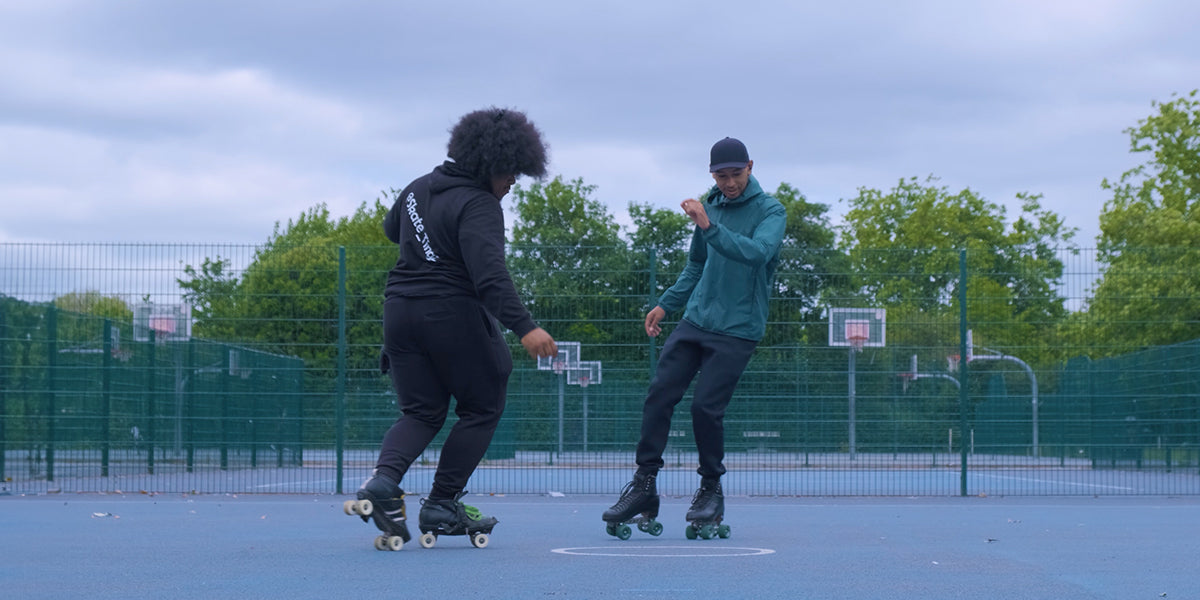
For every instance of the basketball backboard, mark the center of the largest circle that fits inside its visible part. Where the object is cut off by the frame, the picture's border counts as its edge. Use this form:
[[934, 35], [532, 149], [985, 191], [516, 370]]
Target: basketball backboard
[[850, 327], [566, 360]]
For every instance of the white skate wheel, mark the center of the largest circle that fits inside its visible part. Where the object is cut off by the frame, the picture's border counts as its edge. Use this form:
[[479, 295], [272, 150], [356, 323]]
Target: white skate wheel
[[364, 507], [480, 540], [428, 540], [395, 543], [348, 507], [380, 542]]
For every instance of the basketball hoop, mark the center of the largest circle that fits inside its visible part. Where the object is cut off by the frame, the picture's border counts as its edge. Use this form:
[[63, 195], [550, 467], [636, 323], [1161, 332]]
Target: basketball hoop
[[906, 379], [858, 332], [558, 366], [952, 362], [583, 381]]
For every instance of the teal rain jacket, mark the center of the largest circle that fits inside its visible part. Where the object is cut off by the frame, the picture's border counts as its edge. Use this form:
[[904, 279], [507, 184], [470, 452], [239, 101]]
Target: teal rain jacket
[[731, 266]]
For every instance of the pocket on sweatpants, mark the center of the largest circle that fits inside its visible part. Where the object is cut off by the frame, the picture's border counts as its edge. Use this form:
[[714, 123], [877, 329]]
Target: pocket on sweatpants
[[489, 324]]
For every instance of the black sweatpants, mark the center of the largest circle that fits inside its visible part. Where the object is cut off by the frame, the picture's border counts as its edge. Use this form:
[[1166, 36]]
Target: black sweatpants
[[437, 348], [720, 360]]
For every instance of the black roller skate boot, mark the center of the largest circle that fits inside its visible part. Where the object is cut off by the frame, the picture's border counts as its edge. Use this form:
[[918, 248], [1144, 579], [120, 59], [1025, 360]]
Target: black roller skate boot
[[707, 512], [638, 505], [452, 517], [381, 500]]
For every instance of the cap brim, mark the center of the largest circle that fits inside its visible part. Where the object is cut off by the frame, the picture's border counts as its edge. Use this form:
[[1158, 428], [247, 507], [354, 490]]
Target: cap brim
[[718, 167]]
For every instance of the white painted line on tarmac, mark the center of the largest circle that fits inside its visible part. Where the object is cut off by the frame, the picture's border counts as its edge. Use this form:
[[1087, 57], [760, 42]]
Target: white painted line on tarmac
[[670, 551], [1068, 483]]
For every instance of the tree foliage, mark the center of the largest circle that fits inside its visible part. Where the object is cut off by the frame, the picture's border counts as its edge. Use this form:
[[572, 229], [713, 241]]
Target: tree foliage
[[903, 246], [286, 299], [1149, 240]]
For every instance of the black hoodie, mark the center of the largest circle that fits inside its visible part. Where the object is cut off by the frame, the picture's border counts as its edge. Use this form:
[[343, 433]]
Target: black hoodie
[[451, 233]]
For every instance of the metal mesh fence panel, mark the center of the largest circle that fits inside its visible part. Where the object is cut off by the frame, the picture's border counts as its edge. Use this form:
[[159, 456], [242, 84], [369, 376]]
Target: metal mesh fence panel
[[206, 368]]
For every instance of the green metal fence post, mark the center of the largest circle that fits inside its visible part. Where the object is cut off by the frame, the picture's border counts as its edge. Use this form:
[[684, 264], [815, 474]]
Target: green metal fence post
[[106, 398], [224, 423], [341, 365], [51, 385], [151, 413], [963, 396], [4, 369], [652, 253], [186, 396]]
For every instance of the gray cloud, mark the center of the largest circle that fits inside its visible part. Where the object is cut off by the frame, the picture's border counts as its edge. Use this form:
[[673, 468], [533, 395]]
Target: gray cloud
[[154, 121]]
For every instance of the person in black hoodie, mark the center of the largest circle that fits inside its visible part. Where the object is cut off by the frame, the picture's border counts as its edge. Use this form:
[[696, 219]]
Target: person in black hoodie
[[442, 300]]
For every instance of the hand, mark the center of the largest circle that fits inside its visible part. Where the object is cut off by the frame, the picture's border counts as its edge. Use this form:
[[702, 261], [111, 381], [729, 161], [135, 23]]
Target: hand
[[694, 209], [655, 315], [539, 344]]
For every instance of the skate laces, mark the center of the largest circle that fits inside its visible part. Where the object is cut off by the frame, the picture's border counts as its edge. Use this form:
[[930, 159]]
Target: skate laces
[[626, 497], [705, 493]]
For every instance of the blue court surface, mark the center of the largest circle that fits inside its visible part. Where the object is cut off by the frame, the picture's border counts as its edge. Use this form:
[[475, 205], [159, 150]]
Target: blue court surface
[[554, 546]]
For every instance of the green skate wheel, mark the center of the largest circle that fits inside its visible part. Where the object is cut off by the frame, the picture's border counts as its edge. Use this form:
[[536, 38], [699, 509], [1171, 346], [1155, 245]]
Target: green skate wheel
[[707, 532], [623, 532], [480, 540], [690, 532], [395, 543], [611, 529], [724, 532], [428, 540], [655, 528]]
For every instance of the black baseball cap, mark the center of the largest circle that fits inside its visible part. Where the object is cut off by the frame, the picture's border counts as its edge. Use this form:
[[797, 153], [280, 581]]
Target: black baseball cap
[[726, 153]]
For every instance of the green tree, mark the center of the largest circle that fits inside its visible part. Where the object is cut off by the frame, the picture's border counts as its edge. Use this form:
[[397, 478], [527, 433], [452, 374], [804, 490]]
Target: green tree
[[809, 271], [286, 300], [82, 314], [664, 235], [904, 248], [1149, 241], [569, 262], [210, 291], [95, 304]]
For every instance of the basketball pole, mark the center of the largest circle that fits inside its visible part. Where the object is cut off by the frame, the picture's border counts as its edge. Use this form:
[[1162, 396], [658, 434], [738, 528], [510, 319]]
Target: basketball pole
[[852, 367]]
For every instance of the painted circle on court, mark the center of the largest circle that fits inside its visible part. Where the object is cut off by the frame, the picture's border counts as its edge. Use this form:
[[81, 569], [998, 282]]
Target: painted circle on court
[[664, 551]]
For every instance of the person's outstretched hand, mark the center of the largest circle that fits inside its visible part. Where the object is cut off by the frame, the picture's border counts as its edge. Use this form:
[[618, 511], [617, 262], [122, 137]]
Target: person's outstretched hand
[[653, 317], [539, 344]]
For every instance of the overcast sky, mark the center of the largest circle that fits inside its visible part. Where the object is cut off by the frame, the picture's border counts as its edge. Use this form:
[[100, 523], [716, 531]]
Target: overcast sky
[[175, 121]]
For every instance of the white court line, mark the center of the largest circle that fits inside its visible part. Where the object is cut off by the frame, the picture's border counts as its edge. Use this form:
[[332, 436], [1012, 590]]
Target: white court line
[[1034, 480], [716, 552]]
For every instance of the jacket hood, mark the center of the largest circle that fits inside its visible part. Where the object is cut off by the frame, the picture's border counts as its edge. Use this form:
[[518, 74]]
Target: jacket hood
[[752, 190], [450, 175]]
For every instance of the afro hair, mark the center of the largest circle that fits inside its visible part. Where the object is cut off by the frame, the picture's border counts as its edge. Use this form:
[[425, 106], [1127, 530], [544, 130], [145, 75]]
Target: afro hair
[[497, 141]]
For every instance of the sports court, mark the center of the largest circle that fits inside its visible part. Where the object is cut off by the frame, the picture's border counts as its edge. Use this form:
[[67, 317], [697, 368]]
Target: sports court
[[554, 546]]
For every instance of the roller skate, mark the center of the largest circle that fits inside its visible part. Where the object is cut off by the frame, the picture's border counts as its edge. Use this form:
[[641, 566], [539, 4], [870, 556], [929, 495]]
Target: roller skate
[[707, 511], [452, 517], [380, 499], [638, 505]]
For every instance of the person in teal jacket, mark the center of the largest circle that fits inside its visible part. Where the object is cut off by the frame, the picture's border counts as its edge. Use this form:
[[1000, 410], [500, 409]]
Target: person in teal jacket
[[723, 292]]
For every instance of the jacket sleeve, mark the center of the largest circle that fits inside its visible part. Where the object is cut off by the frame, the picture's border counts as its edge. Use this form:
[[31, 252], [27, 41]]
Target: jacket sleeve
[[481, 238], [677, 295], [755, 249]]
